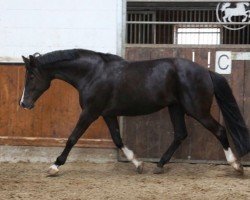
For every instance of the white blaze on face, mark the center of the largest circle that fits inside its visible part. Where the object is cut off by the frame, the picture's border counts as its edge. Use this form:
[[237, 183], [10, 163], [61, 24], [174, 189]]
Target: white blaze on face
[[21, 101], [230, 156], [130, 156]]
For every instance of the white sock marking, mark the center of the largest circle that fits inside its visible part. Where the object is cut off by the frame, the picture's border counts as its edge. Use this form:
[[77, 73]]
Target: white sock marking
[[232, 160], [136, 162], [53, 169], [230, 156], [128, 153], [130, 156]]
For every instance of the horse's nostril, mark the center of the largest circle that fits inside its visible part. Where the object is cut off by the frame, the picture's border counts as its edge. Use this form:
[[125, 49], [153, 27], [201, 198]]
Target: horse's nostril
[[26, 106], [22, 105]]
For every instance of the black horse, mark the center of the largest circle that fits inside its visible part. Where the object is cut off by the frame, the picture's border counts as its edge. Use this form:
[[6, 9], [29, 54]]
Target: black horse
[[109, 86]]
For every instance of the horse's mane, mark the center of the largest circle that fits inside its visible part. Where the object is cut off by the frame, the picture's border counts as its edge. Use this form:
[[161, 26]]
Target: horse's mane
[[56, 56], [66, 55]]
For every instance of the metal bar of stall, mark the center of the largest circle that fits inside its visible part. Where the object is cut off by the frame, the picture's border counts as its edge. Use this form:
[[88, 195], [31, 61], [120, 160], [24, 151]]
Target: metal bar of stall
[[154, 28], [189, 23], [143, 29], [135, 30], [169, 30], [131, 30], [164, 29], [139, 29]]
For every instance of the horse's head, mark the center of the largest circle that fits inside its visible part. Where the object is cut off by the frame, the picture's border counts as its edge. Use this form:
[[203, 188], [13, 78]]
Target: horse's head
[[37, 82]]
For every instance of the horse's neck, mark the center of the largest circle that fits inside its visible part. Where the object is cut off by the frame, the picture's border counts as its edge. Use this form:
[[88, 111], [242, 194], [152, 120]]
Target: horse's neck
[[72, 74], [67, 78]]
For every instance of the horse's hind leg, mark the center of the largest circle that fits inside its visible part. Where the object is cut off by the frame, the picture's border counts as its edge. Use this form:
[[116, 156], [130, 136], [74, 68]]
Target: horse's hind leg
[[220, 133], [113, 126], [180, 133]]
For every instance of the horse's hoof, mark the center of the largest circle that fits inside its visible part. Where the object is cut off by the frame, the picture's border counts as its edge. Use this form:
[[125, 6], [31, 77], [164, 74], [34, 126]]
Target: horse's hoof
[[139, 169], [158, 170], [237, 166], [53, 170]]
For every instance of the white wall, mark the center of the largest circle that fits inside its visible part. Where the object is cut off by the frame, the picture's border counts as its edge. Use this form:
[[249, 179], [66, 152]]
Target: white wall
[[29, 26]]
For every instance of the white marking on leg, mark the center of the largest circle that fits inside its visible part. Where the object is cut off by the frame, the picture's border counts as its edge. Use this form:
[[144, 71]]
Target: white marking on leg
[[53, 169], [232, 160], [130, 156], [229, 155], [128, 153], [21, 101]]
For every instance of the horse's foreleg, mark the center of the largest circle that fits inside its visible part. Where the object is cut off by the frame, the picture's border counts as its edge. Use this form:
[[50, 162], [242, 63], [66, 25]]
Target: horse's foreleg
[[113, 126], [83, 123], [180, 133]]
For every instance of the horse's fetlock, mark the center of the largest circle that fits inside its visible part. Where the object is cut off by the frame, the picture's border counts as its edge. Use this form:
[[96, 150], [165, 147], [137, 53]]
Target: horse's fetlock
[[60, 161]]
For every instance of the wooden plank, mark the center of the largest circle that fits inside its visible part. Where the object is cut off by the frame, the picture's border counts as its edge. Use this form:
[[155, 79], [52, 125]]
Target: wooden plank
[[240, 55], [52, 142], [54, 116], [246, 100]]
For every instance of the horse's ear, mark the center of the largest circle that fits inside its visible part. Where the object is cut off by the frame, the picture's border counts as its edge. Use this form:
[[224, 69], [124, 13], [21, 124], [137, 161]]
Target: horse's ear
[[26, 60], [32, 60]]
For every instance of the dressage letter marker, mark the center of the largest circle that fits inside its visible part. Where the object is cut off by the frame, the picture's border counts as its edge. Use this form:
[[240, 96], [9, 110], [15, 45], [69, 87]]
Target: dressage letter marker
[[223, 62]]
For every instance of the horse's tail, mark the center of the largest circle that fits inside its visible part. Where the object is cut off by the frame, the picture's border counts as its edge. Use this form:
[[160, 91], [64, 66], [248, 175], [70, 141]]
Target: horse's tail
[[234, 121]]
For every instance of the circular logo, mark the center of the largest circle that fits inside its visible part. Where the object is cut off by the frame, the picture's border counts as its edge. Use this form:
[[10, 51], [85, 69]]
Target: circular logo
[[226, 12]]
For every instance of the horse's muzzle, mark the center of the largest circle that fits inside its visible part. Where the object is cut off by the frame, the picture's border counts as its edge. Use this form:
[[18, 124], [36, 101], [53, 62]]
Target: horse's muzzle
[[23, 105]]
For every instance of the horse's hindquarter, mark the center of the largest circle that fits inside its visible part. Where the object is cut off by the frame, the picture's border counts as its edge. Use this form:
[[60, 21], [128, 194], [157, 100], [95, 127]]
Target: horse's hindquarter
[[142, 88], [195, 87]]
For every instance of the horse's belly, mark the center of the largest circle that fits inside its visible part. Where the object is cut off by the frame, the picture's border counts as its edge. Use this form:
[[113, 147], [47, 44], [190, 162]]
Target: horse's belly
[[131, 110], [135, 105]]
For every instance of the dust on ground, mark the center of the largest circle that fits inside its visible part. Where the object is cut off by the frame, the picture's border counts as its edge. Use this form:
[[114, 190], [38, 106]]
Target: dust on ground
[[119, 181]]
